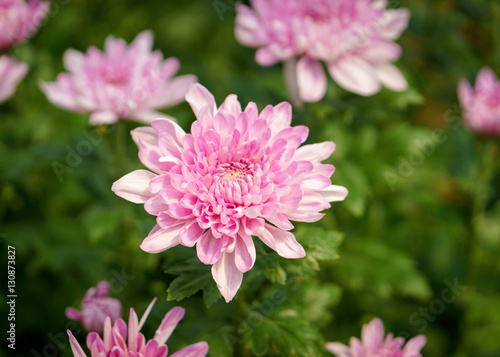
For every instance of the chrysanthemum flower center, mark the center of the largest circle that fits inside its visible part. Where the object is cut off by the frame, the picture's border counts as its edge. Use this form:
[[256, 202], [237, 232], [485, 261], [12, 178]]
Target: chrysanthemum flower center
[[233, 171], [117, 76]]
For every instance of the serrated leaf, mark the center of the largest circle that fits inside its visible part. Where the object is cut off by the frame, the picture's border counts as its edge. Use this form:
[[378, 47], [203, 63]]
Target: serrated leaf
[[281, 336], [193, 277]]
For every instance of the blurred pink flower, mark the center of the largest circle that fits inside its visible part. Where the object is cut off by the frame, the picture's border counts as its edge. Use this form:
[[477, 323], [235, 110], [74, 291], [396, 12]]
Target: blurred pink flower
[[96, 307], [216, 187], [113, 342], [20, 20], [123, 82], [373, 344], [355, 39], [11, 73], [481, 105]]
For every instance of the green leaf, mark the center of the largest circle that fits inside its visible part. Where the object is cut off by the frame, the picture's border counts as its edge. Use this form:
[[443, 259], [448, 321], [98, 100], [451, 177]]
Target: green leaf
[[284, 334], [369, 265], [193, 277]]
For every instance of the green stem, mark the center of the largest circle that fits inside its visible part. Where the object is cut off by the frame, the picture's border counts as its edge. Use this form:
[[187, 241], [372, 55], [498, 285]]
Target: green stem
[[488, 151], [290, 71]]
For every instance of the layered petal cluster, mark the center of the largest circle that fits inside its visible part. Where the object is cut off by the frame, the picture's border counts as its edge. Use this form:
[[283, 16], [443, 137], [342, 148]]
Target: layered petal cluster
[[120, 340], [96, 308], [373, 344], [481, 104], [11, 73], [123, 82], [238, 174], [354, 38], [20, 20]]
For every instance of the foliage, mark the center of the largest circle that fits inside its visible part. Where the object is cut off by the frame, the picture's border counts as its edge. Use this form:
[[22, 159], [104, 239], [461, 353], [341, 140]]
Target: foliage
[[408, 227]]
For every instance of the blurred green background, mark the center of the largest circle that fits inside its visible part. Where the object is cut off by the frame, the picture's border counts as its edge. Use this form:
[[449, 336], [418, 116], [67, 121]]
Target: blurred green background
[[420, 217]]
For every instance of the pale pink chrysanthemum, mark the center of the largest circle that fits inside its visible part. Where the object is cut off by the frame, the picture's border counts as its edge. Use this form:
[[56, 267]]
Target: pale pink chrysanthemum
[[123, 82], [373, 344], [11, 73], [114, 342], [96, 307], [238, 174], [481, 105], [354, 38], [20, 20]]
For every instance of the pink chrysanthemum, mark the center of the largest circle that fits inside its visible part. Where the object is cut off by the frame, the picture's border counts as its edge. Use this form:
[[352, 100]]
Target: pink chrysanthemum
[[123, 82], [11, 73], [481, 105], [354, 38], [20, 20], [373, 344], [96, 307], [238, 174], [113, 343]]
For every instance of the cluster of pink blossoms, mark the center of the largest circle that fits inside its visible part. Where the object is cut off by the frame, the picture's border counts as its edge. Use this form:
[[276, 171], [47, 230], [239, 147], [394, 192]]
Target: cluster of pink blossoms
[[238, 174], [96, 307], [354, 38], [373, 344], [481, 105], [120, 340], [20, 20], [123, 82]]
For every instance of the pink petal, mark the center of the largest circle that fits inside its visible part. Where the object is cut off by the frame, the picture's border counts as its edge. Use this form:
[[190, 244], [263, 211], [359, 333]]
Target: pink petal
[[172, 134], [60, 96], [485, 81], [382, 52], [102, 288], [174, 92], [160, 240], [200, 99], [11, 73], [144, 41], [134, 186], [209, 248], [355, 75], [280, 118], [75, 346], [465, 93], [333, 193], [150, 349], [227, 276], [168, 325], [391, 77], [311, 79], [73, 314], [133, 331], [146, 313], [338, 349], [199, 349], [107, 334], [413, 346], [244, 252], [73, 60], [265, 57], [103, 117], [284, 243], [247, 29], [191, 234], [314, 152], [397, 23], [372, 334], [145, 137], [232, 105]]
